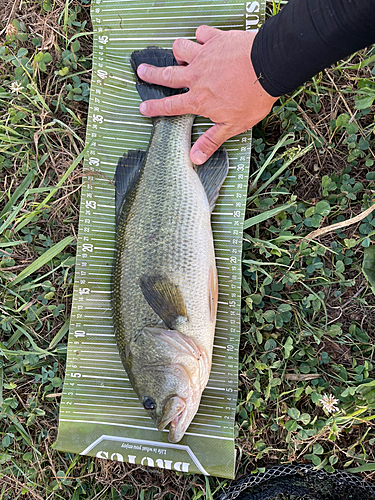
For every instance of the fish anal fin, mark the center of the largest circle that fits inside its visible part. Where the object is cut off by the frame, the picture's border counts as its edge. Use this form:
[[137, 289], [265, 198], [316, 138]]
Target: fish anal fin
[[212, 174], [127, 173], [165, 298], [213, 292]]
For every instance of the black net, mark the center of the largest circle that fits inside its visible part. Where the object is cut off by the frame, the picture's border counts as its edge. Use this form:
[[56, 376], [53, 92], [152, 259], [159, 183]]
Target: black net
[[299, 482]]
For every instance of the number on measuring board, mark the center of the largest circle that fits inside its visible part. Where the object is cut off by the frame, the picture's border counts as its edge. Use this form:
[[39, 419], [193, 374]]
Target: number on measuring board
[[102, 74]]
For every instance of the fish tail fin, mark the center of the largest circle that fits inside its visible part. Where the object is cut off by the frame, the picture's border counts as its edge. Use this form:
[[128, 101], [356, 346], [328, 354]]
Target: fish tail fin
[[155, 56]]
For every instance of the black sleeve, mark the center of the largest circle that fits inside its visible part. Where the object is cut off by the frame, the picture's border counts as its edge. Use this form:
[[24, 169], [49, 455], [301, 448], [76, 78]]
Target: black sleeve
[[307, 36]]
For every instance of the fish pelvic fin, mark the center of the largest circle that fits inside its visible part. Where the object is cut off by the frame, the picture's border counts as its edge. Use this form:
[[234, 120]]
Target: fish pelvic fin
[[127, 173], [212, 174], [155, 56], [213, 292], [165, 298]]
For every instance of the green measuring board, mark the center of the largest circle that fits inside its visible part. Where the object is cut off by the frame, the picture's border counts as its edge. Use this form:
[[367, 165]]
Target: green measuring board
[[100, 414]]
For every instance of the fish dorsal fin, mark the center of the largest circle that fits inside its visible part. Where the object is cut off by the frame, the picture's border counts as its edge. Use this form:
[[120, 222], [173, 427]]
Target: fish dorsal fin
[[127, 173], [165, 298], [213, 173]]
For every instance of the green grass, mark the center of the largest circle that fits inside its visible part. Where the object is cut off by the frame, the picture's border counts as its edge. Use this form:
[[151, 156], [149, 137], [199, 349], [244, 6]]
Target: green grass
[[308, 310]]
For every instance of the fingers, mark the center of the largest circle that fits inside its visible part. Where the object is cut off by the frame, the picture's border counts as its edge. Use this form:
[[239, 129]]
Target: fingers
[[205, 33], [209, 142], [171, 76], [169, 106], [185, 50]]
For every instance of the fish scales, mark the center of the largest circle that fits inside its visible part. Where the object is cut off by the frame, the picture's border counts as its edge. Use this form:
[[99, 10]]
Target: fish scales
[[167, 228]]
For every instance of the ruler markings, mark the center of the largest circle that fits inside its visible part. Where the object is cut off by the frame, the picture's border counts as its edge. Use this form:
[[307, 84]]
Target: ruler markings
[[104, 240], [96, 256], [103, 274], [154, 39], [167, 18], [100, 283], [104, 378], [121, 370], [205, 425], [100, 317], [130, 417], [112, 406], [91, 351], [211, 406], [107, 387], [98, 300], [215, 388], [117, 88], [124, 39], [108, 155], [87, 308], [126, 106], [96, 265], [191, 3], [128, 123], [124, 132], [126, 115]]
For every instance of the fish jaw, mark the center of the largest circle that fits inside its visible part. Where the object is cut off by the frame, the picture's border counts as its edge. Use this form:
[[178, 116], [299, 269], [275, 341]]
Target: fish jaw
[[178, 413], [172, 412]]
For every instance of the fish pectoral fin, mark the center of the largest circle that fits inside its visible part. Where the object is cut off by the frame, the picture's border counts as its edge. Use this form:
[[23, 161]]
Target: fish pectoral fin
[[165, 298], [212, 174], [126, 175]]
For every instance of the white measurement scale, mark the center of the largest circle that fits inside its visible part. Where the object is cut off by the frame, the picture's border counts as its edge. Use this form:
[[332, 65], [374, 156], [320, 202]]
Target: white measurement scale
[[100, 414]]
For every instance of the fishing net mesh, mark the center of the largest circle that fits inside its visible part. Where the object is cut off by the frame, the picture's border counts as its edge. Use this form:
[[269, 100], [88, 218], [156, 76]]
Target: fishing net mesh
[[299, 482]]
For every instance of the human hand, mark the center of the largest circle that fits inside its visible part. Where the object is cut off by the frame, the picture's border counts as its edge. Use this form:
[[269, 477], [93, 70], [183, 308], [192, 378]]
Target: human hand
[[222, 86]]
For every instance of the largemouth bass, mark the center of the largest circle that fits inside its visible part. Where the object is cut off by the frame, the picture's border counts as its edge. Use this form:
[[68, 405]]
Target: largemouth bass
[[165, 284]]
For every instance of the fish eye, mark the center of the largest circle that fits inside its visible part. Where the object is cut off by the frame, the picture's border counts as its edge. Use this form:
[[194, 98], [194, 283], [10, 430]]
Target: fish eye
[[149, 403]]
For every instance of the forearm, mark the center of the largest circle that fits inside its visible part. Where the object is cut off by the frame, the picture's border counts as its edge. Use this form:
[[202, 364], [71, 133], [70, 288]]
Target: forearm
[[308, 36]]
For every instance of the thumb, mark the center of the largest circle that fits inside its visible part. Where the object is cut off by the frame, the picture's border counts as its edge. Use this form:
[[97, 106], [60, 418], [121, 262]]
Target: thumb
[[209, 142], [205, 33]]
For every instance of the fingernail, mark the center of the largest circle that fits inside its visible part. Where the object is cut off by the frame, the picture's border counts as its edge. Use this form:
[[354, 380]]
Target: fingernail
[[199, 157], [141, 70], [143, 108]]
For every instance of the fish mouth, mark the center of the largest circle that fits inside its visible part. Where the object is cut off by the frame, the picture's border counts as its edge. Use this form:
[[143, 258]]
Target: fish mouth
[[172, 414]]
